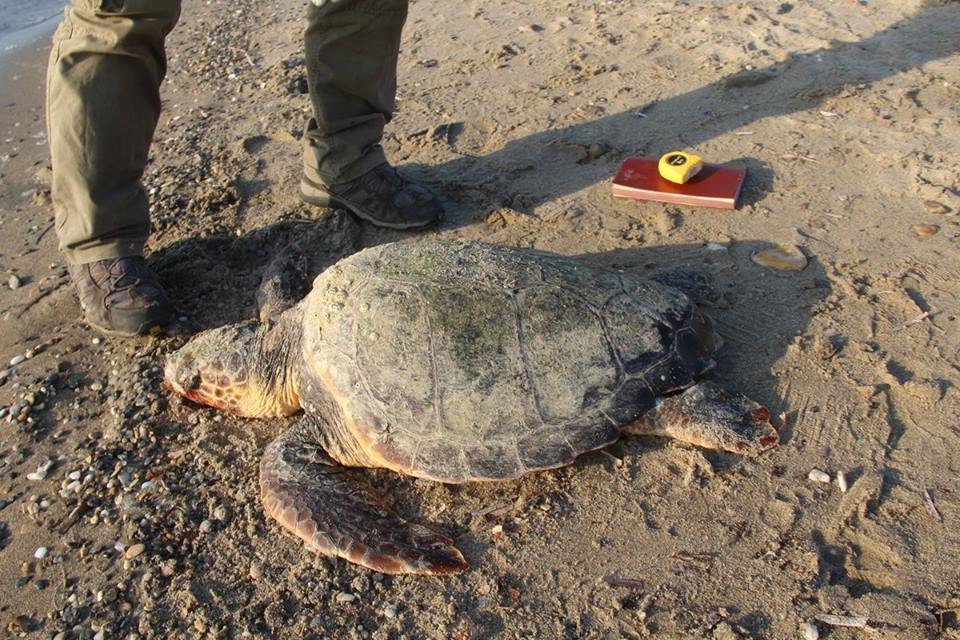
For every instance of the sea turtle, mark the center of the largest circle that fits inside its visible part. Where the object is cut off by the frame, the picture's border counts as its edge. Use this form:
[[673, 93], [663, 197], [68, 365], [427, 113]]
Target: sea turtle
[[457, 362]]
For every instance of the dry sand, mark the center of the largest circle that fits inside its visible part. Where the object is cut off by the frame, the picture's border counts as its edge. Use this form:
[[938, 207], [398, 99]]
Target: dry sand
[[847, 116]]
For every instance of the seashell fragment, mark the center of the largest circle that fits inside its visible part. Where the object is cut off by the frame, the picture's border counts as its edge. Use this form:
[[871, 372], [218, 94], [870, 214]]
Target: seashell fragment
[[842, 481], [932, 206], [785, 257], [926, 230]]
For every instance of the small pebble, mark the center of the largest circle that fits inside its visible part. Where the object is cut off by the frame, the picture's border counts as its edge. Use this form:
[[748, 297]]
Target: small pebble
[[345, 598], [134, 551], [816, 475], [256, 571], [810, 631], [390, 611], [925, 230], [360, 584], [723, 631], [41, 553], [14, 282], [596, 150], [206, 526], [842, 481], [15, 360], [96, 341], [784, 258]]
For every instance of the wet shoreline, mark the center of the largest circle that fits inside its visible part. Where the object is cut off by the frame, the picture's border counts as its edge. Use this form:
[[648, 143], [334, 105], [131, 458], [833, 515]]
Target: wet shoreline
[[15, 37]]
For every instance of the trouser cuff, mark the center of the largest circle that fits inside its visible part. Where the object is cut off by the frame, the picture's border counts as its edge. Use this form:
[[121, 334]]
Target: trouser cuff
[[320, 165], [108, 250]]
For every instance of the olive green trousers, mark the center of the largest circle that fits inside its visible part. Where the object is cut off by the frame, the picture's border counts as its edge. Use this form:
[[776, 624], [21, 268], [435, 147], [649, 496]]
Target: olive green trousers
[[103, 102]]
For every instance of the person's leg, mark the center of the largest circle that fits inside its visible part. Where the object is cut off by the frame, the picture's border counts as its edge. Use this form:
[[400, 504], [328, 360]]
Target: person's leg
[[351, 53], [103, 103]]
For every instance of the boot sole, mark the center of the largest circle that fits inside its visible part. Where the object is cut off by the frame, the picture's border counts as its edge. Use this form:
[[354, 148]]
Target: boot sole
[[322, 198], [147, 329], [150, 327]]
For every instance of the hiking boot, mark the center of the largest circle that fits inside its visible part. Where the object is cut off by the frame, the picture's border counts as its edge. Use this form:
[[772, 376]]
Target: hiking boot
[[381, 196], [121, 296]]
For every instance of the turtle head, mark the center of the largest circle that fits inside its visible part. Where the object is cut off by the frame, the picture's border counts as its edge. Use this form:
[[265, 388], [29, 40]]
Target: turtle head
[[243, 368]]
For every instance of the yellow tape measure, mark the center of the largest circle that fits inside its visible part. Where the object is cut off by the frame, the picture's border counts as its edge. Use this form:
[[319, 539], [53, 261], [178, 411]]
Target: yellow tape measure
[[679, 167]]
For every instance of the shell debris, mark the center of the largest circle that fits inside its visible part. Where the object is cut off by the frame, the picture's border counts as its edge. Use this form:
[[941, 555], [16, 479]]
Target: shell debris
[[816, 475], [784, 258], [854, 622], [842, 481], [925, 230], [42, 470], [931, 508]]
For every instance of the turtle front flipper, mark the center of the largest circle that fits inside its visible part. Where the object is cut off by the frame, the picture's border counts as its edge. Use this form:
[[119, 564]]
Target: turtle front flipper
[[709, 416], [336, 514], [284, 282]]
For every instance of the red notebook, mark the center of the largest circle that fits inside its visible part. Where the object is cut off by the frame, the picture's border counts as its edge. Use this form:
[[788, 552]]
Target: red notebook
[[716, 185]]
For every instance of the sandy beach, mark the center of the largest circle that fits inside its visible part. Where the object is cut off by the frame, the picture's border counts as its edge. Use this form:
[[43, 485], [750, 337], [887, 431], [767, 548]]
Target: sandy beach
[[127, 513]]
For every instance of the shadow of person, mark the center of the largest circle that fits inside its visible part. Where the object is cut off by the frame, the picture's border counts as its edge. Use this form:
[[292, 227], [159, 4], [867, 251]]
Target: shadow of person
[[214, 279], [517, 174]]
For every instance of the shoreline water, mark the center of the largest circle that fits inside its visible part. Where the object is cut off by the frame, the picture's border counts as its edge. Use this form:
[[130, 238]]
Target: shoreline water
[[22, 27], [24, 47]]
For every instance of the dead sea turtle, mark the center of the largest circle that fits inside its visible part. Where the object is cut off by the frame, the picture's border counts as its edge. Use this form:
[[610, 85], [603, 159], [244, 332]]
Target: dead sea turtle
[[457, 362]]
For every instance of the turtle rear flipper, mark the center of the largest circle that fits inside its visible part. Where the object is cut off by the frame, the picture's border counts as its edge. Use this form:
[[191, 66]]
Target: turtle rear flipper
[[709, 416], [338, 515]]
